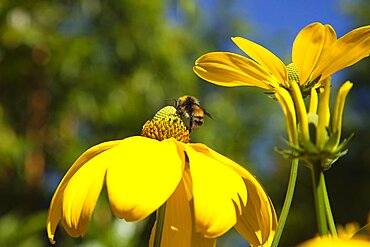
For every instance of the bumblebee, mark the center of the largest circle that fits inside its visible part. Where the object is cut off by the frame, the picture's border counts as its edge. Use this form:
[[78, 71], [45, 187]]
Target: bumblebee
[[189, 107]]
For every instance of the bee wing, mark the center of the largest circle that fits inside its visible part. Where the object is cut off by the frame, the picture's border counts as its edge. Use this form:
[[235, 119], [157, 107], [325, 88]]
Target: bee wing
[[205, 112]]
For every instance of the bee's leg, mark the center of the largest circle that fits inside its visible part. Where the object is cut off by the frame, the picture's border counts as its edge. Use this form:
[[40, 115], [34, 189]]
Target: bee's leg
[[190, 125]]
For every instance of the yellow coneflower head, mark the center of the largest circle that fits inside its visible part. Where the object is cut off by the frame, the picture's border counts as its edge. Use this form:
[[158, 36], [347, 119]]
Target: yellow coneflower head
[[165, 124]]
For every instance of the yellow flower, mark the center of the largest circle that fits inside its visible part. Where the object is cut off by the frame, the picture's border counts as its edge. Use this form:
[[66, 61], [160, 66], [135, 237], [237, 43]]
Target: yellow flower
[[316, 54], [348, 231], [335, 242], [348, 235], [205, 193]]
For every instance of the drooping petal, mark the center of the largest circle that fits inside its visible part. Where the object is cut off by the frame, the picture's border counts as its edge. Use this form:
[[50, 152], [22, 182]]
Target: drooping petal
[[231, 70], [314, 99], [307, 48], [142, 175], [345, 52], [328, 241], [264, 57], [178, 227], [300, 108], [81, 194], [55, 209], [287, 105], [198, 240], [338, 109], [258, 221], [219, 194], [324, 115]]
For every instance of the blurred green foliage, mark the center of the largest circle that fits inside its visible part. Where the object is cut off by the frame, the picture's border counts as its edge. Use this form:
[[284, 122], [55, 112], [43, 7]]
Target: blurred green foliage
[[77, 73]]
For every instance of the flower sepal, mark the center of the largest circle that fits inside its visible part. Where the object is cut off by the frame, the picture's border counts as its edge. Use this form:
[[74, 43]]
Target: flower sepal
[[311, 154]]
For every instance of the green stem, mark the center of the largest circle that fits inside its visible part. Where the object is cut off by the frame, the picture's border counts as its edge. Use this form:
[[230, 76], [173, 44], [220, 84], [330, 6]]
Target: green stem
[[288, 201], [329, 214], [159, 225], [317, 182]]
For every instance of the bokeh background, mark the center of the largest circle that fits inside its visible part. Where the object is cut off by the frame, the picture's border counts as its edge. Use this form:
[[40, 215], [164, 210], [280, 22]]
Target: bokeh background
[[77, 73]]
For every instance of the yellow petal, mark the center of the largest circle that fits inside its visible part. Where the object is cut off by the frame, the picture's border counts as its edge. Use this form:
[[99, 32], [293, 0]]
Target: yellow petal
[[55, 209], [287, 105], [258, 221], [335, 242], [178, 227], [219, 194], [330, 36], [307, 48], [81, 194], [346, 51], [330, 39], [142, 175], [264, 57], [300, 109], [338, 109], [314, 99], [230, 70], [324, 115], [198, 240]]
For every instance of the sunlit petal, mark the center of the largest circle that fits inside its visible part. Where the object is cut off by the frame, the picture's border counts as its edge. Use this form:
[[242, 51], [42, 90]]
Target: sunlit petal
[[330, 36], [330, 39], [324, 115], [55, 209], [346, 51], [198, 240], [327, 241], [300, 108], [258, 221], [314, 99], [177, 228], [264, 57], [338, 109], [219, 194], [142, 175], [287, 105], [81, 194], [230, 70], [307, 48]]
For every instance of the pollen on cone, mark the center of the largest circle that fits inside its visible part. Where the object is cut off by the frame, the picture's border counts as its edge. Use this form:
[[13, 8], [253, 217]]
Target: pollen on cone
[[166, 124]]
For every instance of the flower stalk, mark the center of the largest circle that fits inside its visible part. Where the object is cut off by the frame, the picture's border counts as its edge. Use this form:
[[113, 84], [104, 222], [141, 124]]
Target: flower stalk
[[317, 182], [287, 202], [161, 212], [329, 214]]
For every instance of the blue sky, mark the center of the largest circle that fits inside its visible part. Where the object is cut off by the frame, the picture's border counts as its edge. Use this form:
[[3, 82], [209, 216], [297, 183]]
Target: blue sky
[[286, 15], [275, 23]]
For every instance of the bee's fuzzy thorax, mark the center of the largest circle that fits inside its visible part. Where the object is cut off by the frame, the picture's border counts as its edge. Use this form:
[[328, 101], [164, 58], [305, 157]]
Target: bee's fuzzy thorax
[[189, 107]]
